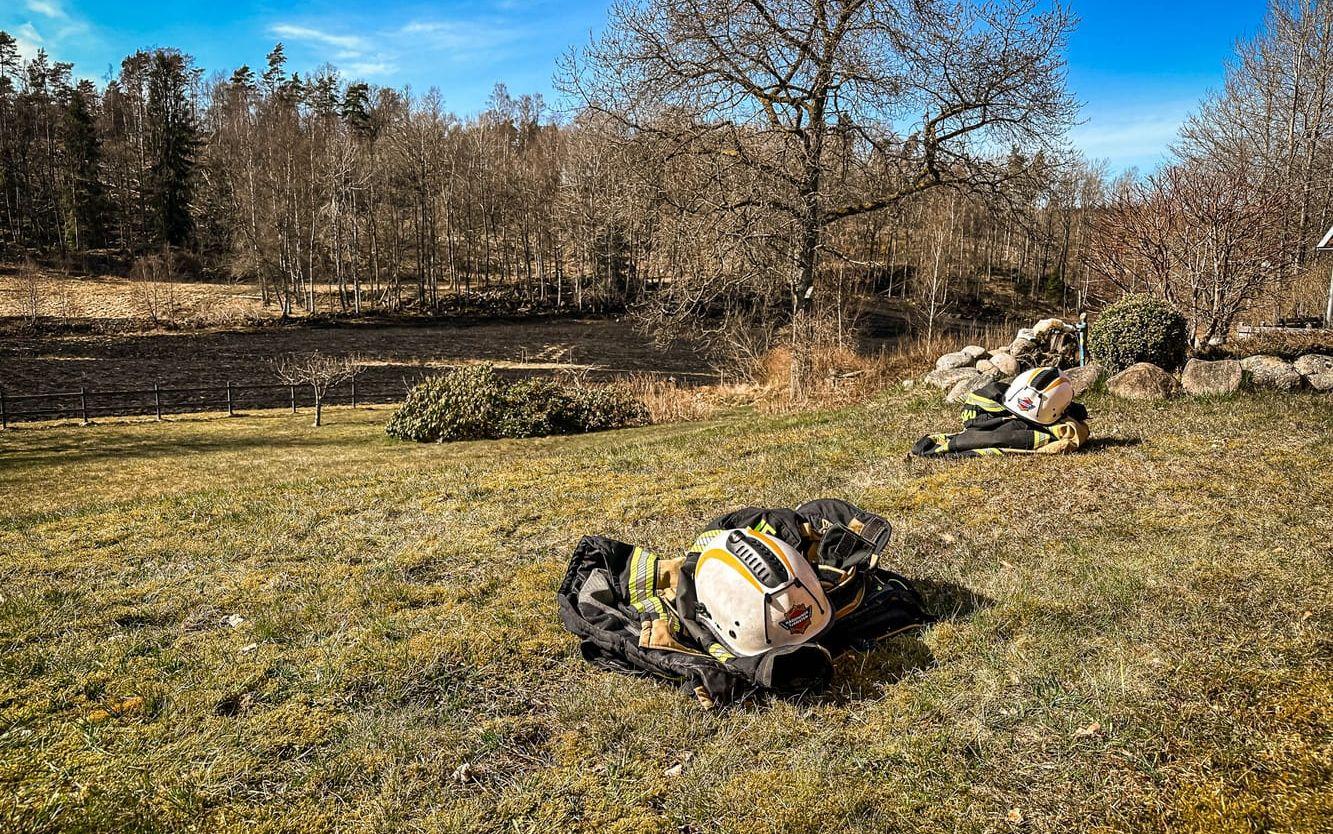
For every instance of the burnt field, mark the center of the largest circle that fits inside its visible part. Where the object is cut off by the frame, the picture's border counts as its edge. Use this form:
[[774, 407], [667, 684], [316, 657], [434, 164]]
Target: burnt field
[[394, 356]]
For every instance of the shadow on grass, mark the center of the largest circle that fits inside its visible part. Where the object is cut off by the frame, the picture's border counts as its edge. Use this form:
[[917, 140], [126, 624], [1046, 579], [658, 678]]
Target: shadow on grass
[[1095, 443], [80, 448], [949, 600], [863, 675]]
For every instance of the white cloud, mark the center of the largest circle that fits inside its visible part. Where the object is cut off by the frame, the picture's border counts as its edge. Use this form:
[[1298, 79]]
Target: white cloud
[[47, 8], [460, 35], [350, 43], [370, 69], [60, 31], [1131, 135], [386, 52], [28, 41]]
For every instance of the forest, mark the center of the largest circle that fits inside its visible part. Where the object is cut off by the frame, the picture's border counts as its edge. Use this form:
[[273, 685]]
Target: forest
[[331, 195]]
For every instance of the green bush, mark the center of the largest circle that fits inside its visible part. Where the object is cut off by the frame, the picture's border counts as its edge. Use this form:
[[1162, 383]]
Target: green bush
[[1138, 328], [473, 403]]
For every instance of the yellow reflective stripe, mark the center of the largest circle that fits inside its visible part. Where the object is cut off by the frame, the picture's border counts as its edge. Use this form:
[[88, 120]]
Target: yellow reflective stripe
[[641, 575], [989, 451], [658, 606], [1040, 438], [981, 402], [720, 653], [702, 539], [643, 588], [765, 527]]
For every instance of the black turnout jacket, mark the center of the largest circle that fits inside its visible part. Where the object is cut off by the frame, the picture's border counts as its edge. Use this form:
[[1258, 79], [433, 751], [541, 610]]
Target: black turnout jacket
[[991, 429], [634, 612]]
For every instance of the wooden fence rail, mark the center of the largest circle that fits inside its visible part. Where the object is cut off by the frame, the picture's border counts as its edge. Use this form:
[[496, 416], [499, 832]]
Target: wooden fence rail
[[86, 403]]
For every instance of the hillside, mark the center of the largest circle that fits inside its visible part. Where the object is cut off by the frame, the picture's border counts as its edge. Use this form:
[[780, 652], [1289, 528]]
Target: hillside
[[250, 625]]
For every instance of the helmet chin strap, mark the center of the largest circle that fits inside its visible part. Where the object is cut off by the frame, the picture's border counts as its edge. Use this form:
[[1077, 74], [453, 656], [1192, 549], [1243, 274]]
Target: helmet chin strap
[[768, 596]]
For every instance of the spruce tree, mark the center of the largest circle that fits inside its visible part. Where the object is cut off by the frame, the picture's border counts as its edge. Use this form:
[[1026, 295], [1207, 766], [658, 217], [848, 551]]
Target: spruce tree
[[173, 143], [83, 152]]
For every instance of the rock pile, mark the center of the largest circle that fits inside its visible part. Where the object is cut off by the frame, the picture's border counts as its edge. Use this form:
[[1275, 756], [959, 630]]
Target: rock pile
[[1271, 373], [1051, 342], [1200, 377], [1316, 369]]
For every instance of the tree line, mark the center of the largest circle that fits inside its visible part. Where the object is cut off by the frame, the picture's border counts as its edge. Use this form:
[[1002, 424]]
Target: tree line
[[338, 196], [723, 167]]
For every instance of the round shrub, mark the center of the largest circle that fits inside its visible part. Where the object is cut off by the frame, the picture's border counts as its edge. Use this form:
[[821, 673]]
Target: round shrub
[[458, 405], [472, 403], [1138, 328]]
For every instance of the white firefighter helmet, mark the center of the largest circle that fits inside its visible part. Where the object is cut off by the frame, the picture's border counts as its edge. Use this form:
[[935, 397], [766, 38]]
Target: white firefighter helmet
[[757, 593], [1040, 395]]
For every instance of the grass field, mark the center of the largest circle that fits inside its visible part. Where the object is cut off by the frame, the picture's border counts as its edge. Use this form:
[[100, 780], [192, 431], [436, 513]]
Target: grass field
[[251, 625]]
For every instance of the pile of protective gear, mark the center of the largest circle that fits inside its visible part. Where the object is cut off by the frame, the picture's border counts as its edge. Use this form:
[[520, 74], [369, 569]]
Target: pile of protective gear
[[1035, 412], [763, 600]]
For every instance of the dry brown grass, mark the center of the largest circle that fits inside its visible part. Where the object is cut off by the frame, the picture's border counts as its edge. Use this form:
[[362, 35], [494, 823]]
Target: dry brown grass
[[1288, 345], [668, 401], [110, 298]]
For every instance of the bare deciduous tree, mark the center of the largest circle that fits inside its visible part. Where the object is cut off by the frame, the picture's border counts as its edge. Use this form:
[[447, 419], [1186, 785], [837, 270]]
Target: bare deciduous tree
[[30, 291], [724, 192], [320, 373], [153, 288], [779, 120], [1274, 117], [1205, 238]]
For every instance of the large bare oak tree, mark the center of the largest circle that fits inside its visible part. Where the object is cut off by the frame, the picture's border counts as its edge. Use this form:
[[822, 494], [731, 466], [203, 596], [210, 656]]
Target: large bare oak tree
[[777, 120]]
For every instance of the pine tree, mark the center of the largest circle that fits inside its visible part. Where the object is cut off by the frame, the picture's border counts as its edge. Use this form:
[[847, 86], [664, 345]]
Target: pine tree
[[275, 74]]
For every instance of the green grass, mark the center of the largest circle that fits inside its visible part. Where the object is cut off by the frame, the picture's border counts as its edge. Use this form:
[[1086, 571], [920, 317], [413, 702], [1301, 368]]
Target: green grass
[[1137, 636]]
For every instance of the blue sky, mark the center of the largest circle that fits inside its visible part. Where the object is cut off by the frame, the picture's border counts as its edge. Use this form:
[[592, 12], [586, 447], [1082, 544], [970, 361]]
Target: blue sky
[[1138, 67]]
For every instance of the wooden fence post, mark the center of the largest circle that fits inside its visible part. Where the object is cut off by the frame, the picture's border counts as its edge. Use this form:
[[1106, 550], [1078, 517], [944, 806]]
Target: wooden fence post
[[353, 392], [293, 399], [157, 401], [230, 410], [83, 403]]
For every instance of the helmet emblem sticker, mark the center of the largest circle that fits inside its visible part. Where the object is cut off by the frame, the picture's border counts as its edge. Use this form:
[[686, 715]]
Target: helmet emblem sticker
[[797, 619], [1026, 403]]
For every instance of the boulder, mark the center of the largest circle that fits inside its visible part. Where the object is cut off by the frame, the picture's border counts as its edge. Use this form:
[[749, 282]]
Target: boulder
[[946, 378], [975, 351], [1212, 378], [1312, 364], [1086, 377], [963, 387], [1004, 363], [1144, 381], [1271, 373], [954, 360], [1321, 382], [986, 366], [1046, 325], [1027, 334], [1022, 347]]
